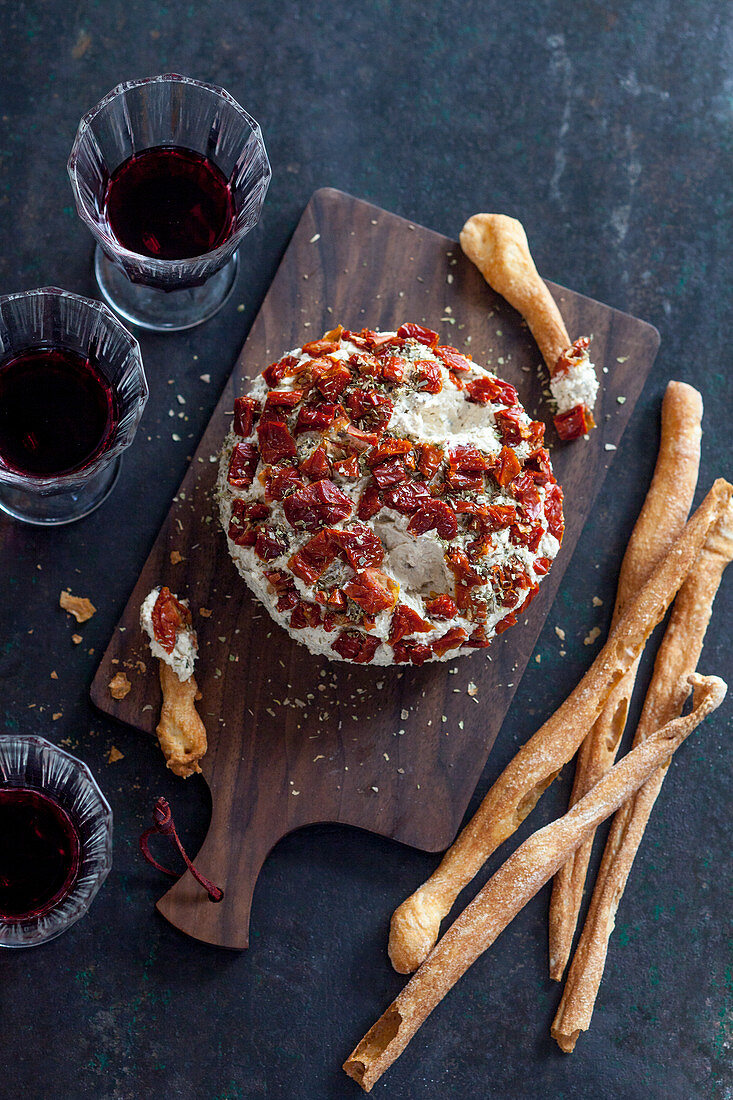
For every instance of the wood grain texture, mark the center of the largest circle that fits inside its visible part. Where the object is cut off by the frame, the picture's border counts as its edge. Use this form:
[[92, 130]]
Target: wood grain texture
[[281, 721]]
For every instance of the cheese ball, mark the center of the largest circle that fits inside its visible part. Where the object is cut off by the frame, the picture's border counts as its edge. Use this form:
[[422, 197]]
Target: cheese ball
[[387, 499]]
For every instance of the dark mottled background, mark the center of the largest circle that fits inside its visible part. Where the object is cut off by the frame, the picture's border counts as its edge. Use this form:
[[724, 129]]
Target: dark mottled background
[[606, 128]]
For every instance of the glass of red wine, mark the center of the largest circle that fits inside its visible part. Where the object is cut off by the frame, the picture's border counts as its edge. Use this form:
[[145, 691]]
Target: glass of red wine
[[72, 391], [169, 174], [55, 840]]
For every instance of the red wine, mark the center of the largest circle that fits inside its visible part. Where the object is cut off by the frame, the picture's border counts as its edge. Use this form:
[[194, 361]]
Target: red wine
[[169, 203], [40, 853], [57, 412]]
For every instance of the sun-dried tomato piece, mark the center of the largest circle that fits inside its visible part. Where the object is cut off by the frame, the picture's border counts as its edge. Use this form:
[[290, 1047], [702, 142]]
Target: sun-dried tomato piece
[[169, 616], [360, 546], [526, 534], [467, 459], [484, 390], [406, 621], [542, 566], [353, 645], [453, 359], [370, 405], [317, 417], [392, 369], [466, 576], [538, 467], [429, 376], [553, 511], [320, 347], [574, 423], [411, 331], [268, 544], [437, 516], [388, 448], [245, 409], [372, 590], [348, 466], [360, 439], [430, 459], [390, 473], [506, 622], [313, 559], [450, 640], [316, 466], [369, 503], [534, 589], [317, 504], [243, 521], [406, 498], [281, 480], [572, 356], [510, 426], [535, 434], [415, 652], [336, 600], [507, 467], [276, 442], [242, 465], [528, 495], [283, 399], [330, 377], [305, 614], [508, 581], [478, 639], [441, 607], [278, 370], [464, 483]]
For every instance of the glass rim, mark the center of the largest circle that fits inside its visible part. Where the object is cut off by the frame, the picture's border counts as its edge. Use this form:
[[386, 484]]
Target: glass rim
[[49, 924], [72, 478], [159, 266]]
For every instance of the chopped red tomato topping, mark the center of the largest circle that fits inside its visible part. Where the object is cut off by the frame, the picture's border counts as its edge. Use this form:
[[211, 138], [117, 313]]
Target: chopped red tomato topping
[[281, 480], [478, 639], [320, 347], [406, 498], [244, 520], [484, 390], [574, 423], [538, 467], [388, 448], [169, 617], [406, 621], [242, 465], [373, 590], [429, 377], [542, 566], [313, 559], [415, 652], [390, 473], [277, 371], [553, 511], [360, 439], [507, 467], [330, 377], [268, 544], [573, 355], [317, 504], [369, 503], [316, 466], [347, 467], [528, 495], [441, 607], [305, 614], [435, 515], [244, 413], [453, 359], [283, 399], [276, 442], [468, 459], [450, 640], [392, 369], [417, 332], [360, 546], [510, 426], [315, 418], [352, 645], [370, 405], [430, 460]]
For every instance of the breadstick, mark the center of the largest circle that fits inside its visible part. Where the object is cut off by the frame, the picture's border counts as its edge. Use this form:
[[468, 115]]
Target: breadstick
[[181, 732], [677, 657], [497, 245], [662, 517], [416, 922], [513, 885]]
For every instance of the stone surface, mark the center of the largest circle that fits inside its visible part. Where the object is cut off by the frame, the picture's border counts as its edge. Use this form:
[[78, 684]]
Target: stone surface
[[606, 129]]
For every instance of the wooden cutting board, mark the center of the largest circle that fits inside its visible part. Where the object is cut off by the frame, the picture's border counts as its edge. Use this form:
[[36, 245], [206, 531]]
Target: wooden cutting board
[[295, 739]]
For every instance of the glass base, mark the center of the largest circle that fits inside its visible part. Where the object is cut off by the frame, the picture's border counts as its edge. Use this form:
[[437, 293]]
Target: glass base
[[61, 505], [163, 310]]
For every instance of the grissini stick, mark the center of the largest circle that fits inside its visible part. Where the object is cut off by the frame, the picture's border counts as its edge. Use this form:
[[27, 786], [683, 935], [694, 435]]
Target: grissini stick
[[677, 657], [415, 923], [497, 245], [513, 885], [661, 519]]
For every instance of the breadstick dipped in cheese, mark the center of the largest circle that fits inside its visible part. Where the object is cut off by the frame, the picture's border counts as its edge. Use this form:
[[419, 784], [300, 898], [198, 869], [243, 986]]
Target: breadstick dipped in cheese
[[498, 246], [662, 517], [513, 885], [677, 657], [415, 923]]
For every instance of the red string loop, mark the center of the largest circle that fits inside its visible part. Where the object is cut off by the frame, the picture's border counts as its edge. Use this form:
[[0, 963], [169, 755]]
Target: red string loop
[[163, 823]]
